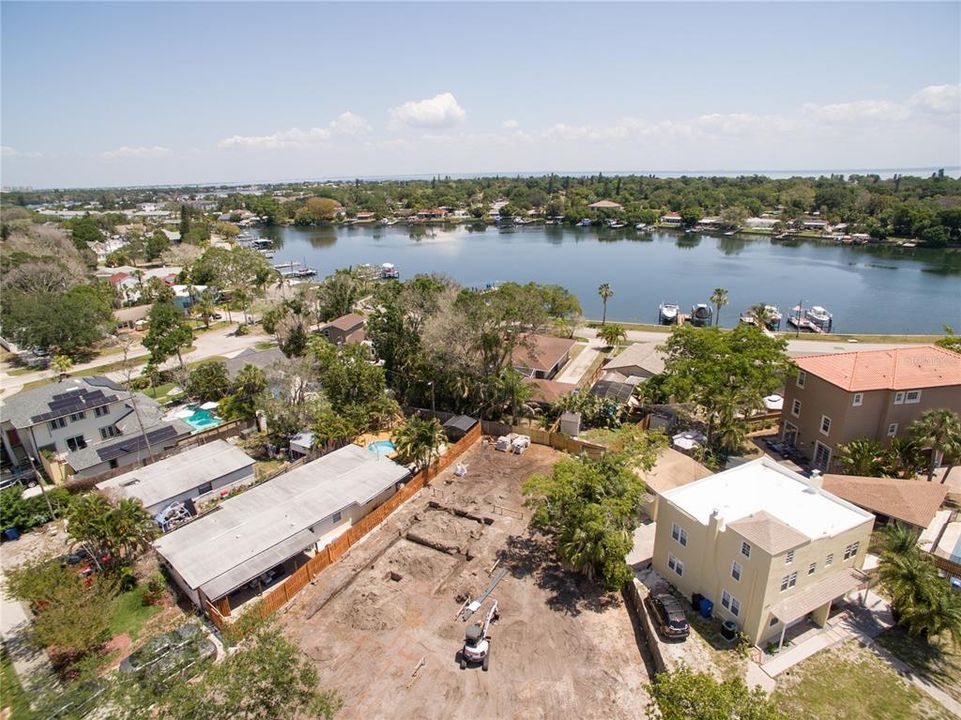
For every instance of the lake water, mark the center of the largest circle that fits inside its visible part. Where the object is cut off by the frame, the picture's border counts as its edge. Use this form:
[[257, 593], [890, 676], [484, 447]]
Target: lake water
[[869, 289]]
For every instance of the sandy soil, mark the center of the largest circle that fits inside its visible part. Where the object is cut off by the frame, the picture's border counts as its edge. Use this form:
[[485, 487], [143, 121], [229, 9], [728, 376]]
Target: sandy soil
[[560, 649]]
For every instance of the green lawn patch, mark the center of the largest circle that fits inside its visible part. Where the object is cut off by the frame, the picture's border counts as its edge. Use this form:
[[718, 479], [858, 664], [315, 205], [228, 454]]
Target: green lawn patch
[[265, 345], [130, 614], [937, 661], [13, 695], [851, 683]]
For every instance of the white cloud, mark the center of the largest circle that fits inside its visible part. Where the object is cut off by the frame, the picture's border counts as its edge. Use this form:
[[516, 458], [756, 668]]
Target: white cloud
[[137, 152], [510, 124], [938, 99], [436, 112], [859, 112], [347, 124], [7, 151]]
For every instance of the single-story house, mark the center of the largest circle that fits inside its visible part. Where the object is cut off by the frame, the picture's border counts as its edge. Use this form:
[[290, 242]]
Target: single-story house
[[182, 477], [541, 356], [913, 502], [761, 223], [614, 386], [345, 329], [642, 360], [272, 529], [258, 358], [127, 318], [671, 218]]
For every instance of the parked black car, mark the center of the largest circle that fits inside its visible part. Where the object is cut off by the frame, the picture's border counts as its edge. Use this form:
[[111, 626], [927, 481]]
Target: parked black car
[[668, 616]]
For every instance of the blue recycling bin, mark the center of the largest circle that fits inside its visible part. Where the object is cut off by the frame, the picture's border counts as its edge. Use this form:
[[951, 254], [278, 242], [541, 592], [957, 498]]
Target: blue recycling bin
[[11, 534], [706, 607]]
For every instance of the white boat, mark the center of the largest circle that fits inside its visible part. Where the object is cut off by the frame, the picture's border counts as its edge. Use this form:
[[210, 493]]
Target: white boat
[[701, 315], [586, 222], [731, 232], [820, 317], [641, 226], [615, 225], [389, 271], [667, 313], [267, 253], [774, 316]]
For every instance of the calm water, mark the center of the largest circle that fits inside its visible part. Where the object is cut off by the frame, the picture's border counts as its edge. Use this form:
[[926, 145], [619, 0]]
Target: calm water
[[868, 289]]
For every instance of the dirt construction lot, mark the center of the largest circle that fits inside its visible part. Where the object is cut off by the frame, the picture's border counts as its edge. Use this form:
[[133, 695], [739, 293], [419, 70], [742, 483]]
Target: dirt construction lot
[[558, 650]]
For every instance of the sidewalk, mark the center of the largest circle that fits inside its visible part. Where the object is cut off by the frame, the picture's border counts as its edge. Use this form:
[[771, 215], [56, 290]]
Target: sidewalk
[[31, 665]]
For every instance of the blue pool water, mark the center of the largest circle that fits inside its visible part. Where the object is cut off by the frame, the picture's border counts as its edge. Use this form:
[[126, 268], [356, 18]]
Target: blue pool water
[[203, 420], [381, 447]]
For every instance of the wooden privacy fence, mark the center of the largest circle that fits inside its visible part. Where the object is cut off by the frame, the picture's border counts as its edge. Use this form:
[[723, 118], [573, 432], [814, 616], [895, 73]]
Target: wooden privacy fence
[[285, 591]]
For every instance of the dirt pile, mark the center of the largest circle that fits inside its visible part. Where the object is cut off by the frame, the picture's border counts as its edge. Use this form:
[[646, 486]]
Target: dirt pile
[[376, 609]]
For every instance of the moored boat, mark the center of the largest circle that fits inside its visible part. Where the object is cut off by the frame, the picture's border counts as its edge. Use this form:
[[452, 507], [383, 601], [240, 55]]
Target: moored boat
[[701, 315], [389, 271], [668, 313], [820, 317], [586, 222]]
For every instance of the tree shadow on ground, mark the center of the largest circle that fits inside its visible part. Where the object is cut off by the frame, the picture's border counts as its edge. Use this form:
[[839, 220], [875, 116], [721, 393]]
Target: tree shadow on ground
[[532, 556], [931, 660]]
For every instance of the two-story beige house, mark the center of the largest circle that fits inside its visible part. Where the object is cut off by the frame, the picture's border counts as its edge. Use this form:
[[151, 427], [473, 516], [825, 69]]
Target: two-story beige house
[[92, 424], [766, 545], [875, 394]]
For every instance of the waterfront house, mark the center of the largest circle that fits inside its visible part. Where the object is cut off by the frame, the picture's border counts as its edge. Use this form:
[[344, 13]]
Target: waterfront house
[[874, 394], [184, 477], [671, 218], [85, 426], [606, 205], [765, 545], [641, 360], [262, 535], [541, 356], [761, 223], [345, 329]]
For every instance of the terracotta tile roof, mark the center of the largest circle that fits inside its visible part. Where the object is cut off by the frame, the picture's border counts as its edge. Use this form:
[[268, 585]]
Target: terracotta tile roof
[[117, 277], [346, 322], [912, 501], [550, 391], [811, 597], [542, 352], [768, 533], [907, 368]]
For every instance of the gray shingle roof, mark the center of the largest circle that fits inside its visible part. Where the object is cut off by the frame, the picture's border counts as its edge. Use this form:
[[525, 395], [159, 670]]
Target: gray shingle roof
[[59, 399]]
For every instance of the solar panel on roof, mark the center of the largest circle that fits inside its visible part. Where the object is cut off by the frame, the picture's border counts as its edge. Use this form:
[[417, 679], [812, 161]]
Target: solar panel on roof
[[137, 443]]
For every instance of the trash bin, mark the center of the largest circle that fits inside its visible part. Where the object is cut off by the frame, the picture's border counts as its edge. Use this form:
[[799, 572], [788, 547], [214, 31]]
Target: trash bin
[[11, 534], [728, 629], [706, 607], [696, 600]]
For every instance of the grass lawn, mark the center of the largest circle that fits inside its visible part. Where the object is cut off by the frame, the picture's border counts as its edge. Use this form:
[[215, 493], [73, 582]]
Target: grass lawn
[[938, 662], [265, 345], [600, 436], [13, 696], [851, 683], [263, 468], [130, 614]]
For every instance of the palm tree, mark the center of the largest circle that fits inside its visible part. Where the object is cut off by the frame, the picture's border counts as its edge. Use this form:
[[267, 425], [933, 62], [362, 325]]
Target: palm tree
[[606, 294], [903, 458], [719, 300], [131, 528], [938, 432], [419, 440], [61, 364], [515, 391], [612, 334], [760, 315], [861, 457], [205, 307]]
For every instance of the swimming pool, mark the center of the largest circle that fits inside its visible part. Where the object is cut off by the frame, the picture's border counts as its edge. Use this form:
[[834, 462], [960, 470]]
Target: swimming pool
[[202, 419], [381, 447]]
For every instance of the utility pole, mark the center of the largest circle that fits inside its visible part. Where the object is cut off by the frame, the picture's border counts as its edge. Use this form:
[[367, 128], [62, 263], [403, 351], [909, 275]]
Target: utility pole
[[38, 477], [800, 308], [125, 345], [433, 409]]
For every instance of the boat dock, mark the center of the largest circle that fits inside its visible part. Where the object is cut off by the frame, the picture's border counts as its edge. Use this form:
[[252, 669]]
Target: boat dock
[[804, 324]]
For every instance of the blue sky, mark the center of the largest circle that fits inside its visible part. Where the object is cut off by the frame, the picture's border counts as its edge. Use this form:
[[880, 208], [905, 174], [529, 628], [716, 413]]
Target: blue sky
[[138, 93]]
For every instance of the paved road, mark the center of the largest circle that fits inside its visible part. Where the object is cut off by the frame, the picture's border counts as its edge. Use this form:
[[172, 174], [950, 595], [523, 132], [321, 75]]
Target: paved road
[[208, 344], [794, 347]]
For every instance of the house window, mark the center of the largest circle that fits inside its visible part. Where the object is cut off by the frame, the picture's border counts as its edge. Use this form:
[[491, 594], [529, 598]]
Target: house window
[[801, 377], [789, 558], [113, 464], [101, 411], [746, 549], [912, 397], [892, 429], [899, 398], [675, 564], [788, 581], [851, 550], [57, 423], [205, 488], [812, 567], [679, 534], [822, 455], [828, 560], [825, 425], [858, 399], [796, 408], [76, 443], [735, 606], [736, 571], [76, 417], [726, 599], [109, 432], [335, 518]]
